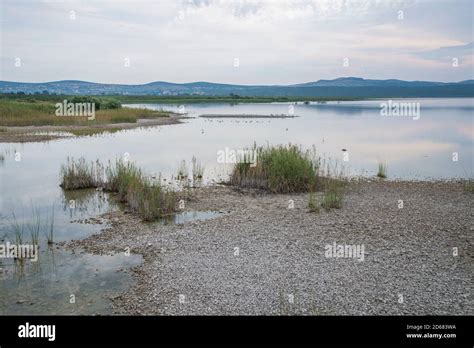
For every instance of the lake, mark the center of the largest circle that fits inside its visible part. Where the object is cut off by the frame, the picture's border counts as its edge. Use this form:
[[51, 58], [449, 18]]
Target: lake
[[436, 145]]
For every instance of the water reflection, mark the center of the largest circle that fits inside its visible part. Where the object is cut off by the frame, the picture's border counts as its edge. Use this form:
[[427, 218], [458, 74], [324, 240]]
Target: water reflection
[[188, 216], [47, 286]]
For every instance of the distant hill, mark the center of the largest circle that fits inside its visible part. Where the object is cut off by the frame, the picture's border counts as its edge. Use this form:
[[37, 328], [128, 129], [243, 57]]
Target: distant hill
[[340, 87], [359, 82]]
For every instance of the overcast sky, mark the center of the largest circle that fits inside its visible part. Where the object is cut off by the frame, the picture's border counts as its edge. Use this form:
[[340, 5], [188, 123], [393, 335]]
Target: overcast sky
[[274, 41]]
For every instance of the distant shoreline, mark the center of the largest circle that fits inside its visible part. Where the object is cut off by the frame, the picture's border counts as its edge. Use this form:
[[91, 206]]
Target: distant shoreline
[[195, 99], [246, 116]]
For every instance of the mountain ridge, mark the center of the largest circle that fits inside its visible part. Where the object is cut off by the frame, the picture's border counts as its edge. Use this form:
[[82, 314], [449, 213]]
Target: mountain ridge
[[343, 86]]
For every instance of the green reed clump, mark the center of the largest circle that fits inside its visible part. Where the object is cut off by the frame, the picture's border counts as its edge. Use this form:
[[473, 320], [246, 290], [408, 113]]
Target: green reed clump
[[197, 171], [333, 195], [313, 204], [35, 226], [279, 169], [17, 231], [148, 199], [182, 174], [121, 176], [50, 232], [382, 172], [78, 174]]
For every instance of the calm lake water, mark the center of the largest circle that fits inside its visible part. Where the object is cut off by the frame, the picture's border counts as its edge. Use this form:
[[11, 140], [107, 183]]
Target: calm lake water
[[412, 149]]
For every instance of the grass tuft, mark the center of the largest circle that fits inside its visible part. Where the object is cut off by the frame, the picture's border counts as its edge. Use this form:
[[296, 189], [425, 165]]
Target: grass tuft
[[469, 186], [149, 199], [50, 233], [288, 169], [35, 226], [333, 196], [280, 169], [382, 172], [313, 204], [198, 172], [81, 174]]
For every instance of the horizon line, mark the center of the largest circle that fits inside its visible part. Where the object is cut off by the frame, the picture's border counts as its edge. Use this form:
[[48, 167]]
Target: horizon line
[[227, 83]]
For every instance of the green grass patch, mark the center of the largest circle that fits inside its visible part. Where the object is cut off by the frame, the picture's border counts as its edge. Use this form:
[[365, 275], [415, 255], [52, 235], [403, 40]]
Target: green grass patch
[[289, 169], [279, 169], [313, 204], [79, 174], [469, 185], [149, 199], [42, 113], [382, 172], [334, 194]]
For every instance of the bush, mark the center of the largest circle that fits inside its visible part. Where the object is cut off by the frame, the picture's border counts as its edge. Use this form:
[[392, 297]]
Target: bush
[[111, 104], [100, 103]]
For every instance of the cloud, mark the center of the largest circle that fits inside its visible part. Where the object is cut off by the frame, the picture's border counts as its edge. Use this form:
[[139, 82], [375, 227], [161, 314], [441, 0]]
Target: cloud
[[459, 52], [276, 41]]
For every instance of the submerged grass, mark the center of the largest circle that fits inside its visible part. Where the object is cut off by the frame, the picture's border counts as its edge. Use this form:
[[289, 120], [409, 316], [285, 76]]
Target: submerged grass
[[35, 226], [149, 199], [183, 173], [50, 232], [198, 172], [18, 231]]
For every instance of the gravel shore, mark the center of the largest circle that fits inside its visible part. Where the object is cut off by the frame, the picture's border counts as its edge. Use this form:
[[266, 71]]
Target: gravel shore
[[262, 258]]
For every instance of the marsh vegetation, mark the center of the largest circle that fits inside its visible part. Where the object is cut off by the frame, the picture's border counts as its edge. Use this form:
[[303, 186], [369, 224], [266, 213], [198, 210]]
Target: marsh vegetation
[[32, 112], [289, 169], [142, 194]]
